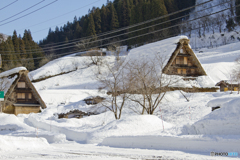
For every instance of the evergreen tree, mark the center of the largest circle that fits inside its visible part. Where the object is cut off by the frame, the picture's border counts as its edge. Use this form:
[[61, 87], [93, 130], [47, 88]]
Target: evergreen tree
[[16, 44], [119, 5], [237, 2], [78, 31], [56, 34], [114, 19], [85, 26], [97, 20], [91, 26], [104, 17], [230, 24], [28, 62], [126, 13], [22, 48]]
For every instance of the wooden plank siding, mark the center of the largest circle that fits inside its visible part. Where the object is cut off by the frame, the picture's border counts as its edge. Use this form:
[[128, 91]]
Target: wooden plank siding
[[22, 97]]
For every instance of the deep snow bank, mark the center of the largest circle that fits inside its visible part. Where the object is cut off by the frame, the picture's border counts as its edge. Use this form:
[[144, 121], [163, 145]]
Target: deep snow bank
[[9, 123], [13, 143], [94, 129], [223, 121], [13, 126], [189, 144]]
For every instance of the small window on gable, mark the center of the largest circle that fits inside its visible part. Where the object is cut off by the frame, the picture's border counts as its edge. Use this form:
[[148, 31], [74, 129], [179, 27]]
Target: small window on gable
[[181, 51], [29, 95], [178, 60], [21, 85], [185, 60], [21, 96]]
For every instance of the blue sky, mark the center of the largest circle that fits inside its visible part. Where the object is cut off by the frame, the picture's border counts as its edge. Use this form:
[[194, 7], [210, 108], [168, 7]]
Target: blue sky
[[40, 21]]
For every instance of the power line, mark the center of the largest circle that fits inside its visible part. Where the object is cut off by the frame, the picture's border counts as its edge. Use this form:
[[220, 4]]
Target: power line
[[23, 11], [137, 24], [58, 17], [72, 52], [28, 13], [129, 27], [8, 5], [129, 32]]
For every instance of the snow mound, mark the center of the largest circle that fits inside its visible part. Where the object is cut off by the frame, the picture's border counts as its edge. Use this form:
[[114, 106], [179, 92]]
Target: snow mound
[[13, 126], [129, 126], [223, 121], [179, 143], [9, 122], [59, 66], [8, 143], [136, 125], [218, 102]]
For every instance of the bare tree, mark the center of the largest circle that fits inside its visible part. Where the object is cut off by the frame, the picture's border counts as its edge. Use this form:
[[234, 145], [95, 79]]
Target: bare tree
[[75, 63], [115, 49], [112, 79], [220, 21], [83, 44], [61, 65], [212, 25], [149, 83]]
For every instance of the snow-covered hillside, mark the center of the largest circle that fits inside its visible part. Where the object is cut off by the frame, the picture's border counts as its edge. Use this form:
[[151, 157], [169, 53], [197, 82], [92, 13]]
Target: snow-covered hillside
[[69, 80], [211, 31]]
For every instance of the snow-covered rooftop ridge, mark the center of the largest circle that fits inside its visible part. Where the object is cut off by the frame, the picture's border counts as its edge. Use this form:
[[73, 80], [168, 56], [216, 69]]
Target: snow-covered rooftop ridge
[[165, 48], [12, 71], [230, 81]]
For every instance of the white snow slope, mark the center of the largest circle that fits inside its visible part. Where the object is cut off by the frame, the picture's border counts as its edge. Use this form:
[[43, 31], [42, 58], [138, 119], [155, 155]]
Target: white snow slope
[[177, 125]]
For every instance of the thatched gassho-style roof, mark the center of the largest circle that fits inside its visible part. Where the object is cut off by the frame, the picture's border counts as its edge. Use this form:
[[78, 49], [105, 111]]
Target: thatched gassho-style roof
[[9, 80], [183, 42]]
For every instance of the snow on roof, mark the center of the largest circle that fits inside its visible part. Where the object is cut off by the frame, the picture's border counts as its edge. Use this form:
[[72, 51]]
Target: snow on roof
[[12, 71], [165, 48], [230, 82], [5, 81]]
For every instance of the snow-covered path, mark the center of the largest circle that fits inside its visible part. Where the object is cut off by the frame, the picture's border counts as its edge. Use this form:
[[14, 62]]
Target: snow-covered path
[[77, 151]]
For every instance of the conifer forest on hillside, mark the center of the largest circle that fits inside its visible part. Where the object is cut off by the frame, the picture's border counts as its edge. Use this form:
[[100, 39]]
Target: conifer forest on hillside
[[88, 31]]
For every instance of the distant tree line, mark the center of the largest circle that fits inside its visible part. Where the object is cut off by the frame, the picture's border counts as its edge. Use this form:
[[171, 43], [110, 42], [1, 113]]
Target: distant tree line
[[117, 14], [111, 16], [20, 51]]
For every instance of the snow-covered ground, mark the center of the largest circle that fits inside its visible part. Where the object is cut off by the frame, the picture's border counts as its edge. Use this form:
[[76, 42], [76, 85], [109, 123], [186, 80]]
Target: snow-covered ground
[[178, 130]]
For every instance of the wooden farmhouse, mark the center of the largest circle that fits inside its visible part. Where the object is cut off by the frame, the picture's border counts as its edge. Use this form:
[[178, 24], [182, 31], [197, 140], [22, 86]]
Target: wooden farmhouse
[[184, 62], [20, 96], [226, 85], [177, 59]]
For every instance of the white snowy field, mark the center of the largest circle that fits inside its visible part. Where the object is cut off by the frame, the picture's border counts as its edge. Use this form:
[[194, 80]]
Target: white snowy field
[[178, 130]]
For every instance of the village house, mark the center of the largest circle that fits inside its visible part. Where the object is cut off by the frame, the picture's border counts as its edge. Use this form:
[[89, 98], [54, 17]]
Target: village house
[[20, 96], [226, 85], [184, 62], [177, 59]]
